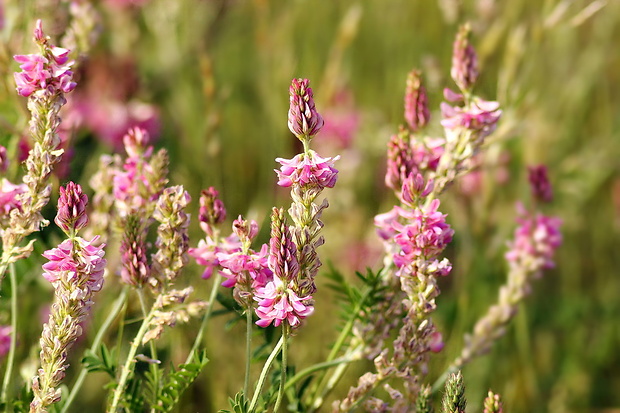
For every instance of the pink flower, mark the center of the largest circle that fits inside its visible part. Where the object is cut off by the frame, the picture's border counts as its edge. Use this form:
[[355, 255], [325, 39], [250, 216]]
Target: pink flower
[[278, 302], [535, 241], [207, 250], [481, 117], [464, 69], [71, 216], [5, 339], [424, 236], [435, 342], [539, 182], [308, 170], [385, 224], [303, 118], [237, 265], [78, 261], [51, 72], [417, 114], [9, 196]]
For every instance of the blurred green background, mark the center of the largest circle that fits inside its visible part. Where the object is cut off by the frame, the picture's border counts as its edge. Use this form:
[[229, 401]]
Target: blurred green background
[[217, 73]]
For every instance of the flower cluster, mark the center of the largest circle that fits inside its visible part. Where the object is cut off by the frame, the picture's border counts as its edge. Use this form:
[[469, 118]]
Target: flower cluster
[[281, 298], [49, 71], [143, 176], [303, 119], [307, 169], [75, 269]]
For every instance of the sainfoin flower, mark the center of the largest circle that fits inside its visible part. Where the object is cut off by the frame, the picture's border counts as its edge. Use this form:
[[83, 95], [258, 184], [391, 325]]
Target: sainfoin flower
[[237, 265], [5, 339], [539, 183], [278, 302], [424, 236], [308, 169], [480, 116], [535, 241], [9, 198], [303, 119], [72, 203], [207, 251], [50, 71]]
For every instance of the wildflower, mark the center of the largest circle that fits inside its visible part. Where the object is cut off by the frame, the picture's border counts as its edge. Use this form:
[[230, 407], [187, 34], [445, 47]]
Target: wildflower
[[417, 113], [237, 265], [539, 183], [535, 241], [212, 210], [5, 339], [480, 117], [49, 71], [71, 215], [278, 302], [75, 269], [464, 69], [303, 119], [135, 269], [9, 196], [308, 169], [208, 249]]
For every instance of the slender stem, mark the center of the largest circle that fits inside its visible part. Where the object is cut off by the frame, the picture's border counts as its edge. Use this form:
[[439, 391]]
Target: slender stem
[[116, 309], [285, 333], [248, 348], [11, 356], [205, 318], [131, 359], [153, 367], [263, 374], [344, 334], [317, 367]]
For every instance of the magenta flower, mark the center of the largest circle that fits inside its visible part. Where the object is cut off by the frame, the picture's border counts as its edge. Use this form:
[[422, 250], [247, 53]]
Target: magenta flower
[[212, 210], [415, 187], [71, 216], [237, 266], [539, 183], [303, 119], [424, 236], [207, 250], [76, 258], [278, 302], [50, 72], [308, 170], [535, 241], [406, 156], [5, 339]]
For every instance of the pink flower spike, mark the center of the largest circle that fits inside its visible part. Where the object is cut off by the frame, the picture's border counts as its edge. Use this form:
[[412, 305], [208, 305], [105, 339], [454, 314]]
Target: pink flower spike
[[278, 303], [417, 114]]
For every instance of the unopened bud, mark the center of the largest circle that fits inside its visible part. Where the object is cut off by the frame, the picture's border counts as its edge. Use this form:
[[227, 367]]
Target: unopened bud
[[71, 216], [417, 114], [464, 60]]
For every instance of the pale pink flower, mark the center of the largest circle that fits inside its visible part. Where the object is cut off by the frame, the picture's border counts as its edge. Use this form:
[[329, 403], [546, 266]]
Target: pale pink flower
[[9, 196], [480, 116], [308, 170], [278, 302], [535, 241]]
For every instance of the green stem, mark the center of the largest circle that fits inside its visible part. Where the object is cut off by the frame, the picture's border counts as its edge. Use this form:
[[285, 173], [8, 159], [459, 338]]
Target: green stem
[[248, 348], [317, 367], [285, 333], [11, 356], [263, 374], [205, 318], [131, 359], [116, 309], [153, 367]]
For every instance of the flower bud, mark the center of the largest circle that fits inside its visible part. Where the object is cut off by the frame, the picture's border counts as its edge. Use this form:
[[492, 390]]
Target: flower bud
[[539, 183], [303, 119], [464, 60], [212, 210], [71, 216], [417, 113]]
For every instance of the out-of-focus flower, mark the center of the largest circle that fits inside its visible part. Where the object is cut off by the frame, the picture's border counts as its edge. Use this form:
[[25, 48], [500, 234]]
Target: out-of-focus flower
[[9, 198], [4, 162], [480, 116], [535, 241], [539, 183], [303, 119], [207, 251], [308, 170], [464, 69], [212, 211], [417, 113], [135, 269], [385, 224], [5, 338]]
